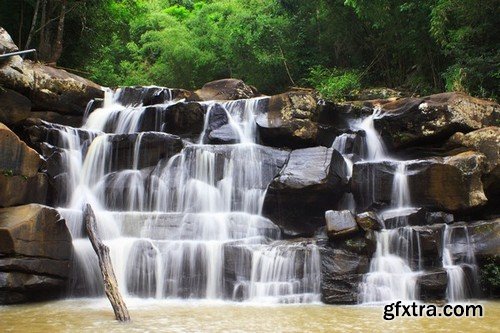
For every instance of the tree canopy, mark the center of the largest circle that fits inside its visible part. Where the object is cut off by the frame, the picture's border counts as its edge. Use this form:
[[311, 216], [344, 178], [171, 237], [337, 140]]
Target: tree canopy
[[337, 46]]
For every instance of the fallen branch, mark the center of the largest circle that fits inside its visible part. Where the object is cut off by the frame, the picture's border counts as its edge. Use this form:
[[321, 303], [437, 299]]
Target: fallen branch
[[108, 275]]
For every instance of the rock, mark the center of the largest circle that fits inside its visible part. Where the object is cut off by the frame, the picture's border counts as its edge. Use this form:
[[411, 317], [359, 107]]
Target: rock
[[487, 142], [35, 254], [6, 43], [237, 270], [341, 273], [48, 88], [153, 147], [485, 235], [290, 120], [312, 181], [150, 95], [378, 93], [20, 190], [185, 119], [14, 107], [426, 244], [450, 183], [439, 218], [224, 135], [218, 130], [369, 221], [404, 216], [57, 118], [340, 223], [141, 269], [16, 158], [432, 285], [411, 121], [226, 89]]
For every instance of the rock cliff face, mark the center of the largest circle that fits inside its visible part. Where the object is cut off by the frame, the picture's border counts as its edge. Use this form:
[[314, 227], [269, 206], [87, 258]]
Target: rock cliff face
[[35, 253]]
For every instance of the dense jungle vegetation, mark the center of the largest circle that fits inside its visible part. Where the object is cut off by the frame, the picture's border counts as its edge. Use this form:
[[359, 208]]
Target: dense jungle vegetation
[[336, 46]]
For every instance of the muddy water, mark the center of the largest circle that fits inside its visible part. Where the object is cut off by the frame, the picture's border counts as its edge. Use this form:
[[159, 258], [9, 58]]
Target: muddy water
[[95, 315]]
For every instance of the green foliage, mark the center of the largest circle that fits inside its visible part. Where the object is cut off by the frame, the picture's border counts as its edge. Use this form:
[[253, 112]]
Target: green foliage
[[422, 46], [333, 83], [491, 274], [8, 172]]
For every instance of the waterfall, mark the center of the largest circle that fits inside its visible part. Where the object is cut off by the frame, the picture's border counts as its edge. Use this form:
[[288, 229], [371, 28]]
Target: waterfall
[[458, 260], [397, 262], [189, 226], [391, 276]]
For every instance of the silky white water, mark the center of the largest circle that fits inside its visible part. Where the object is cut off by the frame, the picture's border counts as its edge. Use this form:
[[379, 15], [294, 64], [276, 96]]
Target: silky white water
[[188, 227]]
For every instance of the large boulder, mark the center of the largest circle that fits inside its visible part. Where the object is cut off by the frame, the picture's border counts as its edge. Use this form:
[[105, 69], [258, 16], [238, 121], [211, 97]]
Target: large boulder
[[411, 121], [35, 253], [20, 179], [149, 95], [341, 273], [485, 238], [226, 89], [290, 120], [432, 285], [218, 130], [311, 183], [451, 183], [14, 107], [16, 158], [6, 43], [49, 89], [340, 224], [487, 142]]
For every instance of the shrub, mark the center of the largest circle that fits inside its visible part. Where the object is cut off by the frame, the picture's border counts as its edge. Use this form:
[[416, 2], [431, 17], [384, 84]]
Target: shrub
[[334, 83]]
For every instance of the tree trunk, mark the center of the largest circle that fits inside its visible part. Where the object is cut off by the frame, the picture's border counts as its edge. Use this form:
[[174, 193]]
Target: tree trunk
[[108, 275], [58, 44], [33, 24]]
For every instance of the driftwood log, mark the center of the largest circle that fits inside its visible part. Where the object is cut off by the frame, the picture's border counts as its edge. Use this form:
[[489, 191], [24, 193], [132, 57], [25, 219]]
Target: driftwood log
[[108, 275]]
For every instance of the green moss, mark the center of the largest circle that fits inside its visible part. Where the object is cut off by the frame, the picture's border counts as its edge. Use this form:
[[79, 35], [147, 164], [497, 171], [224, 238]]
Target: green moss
[[8, 172]]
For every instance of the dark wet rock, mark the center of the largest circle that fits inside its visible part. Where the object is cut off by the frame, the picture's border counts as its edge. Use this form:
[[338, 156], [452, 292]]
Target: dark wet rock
[[312, 181], [340, 224], [290, 120], [341, 273], [35, 253], [226, 89], [185, 119], [14, 107], [426, 245], [218, 130], [141, 269], [485, 235], [432, 285], [412, 121], [439, 218], [272, 159], [58, 118], [149, 95], [369, 221], [153, 147], [450, 183], [405, 216], [36, 132], [237, 271]]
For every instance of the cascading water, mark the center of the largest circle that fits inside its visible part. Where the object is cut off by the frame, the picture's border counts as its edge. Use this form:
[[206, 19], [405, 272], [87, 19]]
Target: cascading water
[[397, 262], [459, 261], [189, 226]]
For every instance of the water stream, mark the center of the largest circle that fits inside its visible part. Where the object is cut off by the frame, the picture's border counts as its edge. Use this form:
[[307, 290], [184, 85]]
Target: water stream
[[189, 226]]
